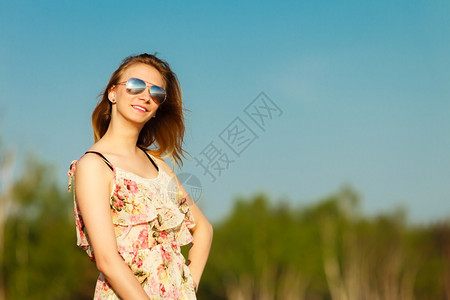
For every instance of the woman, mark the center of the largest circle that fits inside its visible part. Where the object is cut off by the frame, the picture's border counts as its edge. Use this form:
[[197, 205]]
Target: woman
[[131, 219]]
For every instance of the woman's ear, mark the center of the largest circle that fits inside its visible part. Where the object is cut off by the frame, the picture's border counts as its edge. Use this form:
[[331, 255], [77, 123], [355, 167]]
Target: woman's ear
[[112, 95]]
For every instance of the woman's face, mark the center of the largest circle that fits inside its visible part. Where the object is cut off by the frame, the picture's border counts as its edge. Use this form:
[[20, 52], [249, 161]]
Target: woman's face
[[139, 108]]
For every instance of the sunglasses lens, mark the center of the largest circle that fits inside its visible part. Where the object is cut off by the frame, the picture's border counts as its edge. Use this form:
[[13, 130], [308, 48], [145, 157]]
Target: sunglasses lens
[[135, 86], [158, 94]]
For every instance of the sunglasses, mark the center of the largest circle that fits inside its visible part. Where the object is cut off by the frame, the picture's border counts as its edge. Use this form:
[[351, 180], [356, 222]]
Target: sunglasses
[[136, 86]]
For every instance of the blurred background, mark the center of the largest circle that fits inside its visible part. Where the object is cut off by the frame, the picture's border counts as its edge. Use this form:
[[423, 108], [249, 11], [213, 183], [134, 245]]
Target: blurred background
[[329, 124]]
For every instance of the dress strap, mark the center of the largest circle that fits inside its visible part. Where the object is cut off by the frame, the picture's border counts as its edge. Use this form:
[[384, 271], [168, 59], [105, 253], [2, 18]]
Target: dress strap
[[103, 157], [149, 158]]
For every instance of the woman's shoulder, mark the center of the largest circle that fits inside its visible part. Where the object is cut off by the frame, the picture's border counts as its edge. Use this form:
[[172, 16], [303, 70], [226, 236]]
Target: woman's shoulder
[[92, 162], [160, 162], [97, 155], [89, 160], [89, 168]]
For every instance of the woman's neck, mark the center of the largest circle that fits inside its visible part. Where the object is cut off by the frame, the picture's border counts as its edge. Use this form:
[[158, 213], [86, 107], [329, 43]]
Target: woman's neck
[[123, 137]]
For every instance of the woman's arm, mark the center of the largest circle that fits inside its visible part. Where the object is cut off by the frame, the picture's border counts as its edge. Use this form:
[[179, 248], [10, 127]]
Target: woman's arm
[[93, 180], [202, 232]]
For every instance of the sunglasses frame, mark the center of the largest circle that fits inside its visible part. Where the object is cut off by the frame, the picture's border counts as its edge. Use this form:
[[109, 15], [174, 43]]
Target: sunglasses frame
[[136, 91]]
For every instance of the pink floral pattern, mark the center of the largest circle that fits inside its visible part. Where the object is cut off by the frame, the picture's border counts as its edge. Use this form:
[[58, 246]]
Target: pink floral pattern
[[152, 220]]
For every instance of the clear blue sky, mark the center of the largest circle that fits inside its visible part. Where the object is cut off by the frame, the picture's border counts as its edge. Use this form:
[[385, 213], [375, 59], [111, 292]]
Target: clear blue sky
[[364, 88]]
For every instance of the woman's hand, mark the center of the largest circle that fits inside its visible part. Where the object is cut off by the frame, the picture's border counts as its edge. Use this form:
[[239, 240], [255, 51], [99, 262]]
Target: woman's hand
[[202, 233]]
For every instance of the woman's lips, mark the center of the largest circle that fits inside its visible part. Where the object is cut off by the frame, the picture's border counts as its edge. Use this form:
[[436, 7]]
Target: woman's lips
[[140, 108]]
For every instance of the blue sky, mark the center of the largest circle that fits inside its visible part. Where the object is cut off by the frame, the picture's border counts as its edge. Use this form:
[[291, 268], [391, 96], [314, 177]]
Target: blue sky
[[363, 86]]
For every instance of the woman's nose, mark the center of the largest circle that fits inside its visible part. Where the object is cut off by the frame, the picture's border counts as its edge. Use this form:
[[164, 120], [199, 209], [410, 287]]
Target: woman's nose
[[145, 95]]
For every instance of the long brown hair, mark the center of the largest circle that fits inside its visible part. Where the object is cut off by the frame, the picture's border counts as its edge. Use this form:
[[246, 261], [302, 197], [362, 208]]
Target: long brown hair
[[165, 132]]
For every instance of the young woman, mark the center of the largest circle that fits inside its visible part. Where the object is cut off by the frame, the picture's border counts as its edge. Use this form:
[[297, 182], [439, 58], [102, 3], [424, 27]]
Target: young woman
[[130, 216]]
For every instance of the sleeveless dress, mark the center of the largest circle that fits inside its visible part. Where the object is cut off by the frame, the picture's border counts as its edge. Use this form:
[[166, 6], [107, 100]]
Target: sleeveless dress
[[151, 220]]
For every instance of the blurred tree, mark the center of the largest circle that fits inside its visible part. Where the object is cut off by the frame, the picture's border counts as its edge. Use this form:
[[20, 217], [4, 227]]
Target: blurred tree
[[262, 252], [433, 242], [7, 162], [324, 250], [41, 258]]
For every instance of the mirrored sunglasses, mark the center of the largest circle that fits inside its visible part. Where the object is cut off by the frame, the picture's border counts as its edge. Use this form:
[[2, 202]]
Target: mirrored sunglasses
[[136, 86]]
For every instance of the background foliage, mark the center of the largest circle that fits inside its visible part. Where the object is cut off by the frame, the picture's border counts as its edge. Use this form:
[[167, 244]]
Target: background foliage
[[261, 250]]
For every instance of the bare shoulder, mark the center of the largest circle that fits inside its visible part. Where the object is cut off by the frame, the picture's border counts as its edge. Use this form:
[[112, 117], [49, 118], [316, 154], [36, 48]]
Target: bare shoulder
[[163, 165], [92, 165]]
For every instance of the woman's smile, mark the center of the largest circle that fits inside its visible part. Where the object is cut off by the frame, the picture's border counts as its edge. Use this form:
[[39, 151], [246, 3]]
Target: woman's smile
[[140, 108]]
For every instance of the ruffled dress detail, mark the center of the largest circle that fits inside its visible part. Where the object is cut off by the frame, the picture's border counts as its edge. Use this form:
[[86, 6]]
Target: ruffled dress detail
[[152, 220]]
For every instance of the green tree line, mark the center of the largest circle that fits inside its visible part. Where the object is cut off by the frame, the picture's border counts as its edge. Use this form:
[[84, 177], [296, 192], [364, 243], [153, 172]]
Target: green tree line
[[261, 250]]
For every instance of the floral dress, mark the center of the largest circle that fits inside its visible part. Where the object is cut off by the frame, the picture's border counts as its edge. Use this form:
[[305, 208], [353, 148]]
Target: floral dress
[[151, 219]]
